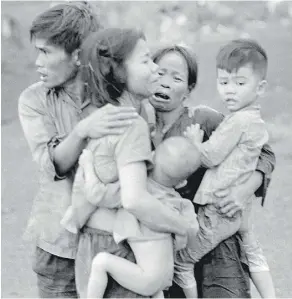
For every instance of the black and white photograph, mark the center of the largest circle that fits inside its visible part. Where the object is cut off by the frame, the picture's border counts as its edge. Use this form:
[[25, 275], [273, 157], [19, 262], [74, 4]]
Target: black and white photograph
[[146, 149]]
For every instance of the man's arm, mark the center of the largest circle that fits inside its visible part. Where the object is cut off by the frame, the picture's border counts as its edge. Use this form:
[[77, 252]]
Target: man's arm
[[108, 120], [56, 154], [40, 131]]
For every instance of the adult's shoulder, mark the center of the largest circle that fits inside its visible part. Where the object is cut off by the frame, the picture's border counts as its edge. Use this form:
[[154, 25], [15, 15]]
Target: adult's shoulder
[[207, 117], [204, 114], [139, 124], [33, 94]]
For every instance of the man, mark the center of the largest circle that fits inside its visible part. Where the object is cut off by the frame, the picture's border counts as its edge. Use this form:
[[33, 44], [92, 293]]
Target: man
[[57, 121]]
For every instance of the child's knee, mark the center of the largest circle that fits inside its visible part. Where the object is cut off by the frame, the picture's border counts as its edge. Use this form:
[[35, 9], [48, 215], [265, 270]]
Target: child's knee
[[99, 261], [151, 286]]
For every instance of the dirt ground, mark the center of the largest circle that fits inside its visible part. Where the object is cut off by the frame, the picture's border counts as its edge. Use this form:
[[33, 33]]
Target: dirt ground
[[19, 175]]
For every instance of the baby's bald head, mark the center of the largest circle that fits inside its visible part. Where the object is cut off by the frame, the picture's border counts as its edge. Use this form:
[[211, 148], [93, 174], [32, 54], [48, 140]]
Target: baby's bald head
[[177, 158]]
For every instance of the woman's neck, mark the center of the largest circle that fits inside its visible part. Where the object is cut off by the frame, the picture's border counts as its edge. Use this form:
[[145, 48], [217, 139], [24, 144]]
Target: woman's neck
[[168, 118], [128, 99]]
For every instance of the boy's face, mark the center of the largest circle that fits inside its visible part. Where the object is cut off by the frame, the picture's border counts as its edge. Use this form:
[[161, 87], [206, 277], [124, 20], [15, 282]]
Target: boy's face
[[239, 89], [54, 65]]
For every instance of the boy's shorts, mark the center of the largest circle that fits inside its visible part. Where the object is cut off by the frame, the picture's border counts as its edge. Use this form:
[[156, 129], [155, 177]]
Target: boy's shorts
[[55, 275], [213, 229], [222, 273]]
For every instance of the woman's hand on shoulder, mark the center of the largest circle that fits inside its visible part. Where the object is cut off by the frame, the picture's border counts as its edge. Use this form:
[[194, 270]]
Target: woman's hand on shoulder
[[108, 120]]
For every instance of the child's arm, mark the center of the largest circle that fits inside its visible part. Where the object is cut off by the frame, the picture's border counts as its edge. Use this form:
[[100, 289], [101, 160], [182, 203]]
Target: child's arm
[[81, 209], [96, 192], [221, 142]]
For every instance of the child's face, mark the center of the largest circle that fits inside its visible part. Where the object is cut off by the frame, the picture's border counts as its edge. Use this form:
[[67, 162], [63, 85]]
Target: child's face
[[239, 89], [141, 71]]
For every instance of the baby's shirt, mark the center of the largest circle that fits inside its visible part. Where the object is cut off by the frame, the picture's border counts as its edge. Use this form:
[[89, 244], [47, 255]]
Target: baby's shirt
[[232, 152]]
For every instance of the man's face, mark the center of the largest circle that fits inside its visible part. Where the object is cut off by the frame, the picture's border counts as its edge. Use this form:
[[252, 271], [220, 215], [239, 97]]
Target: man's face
[[172, 85], [239, 89], [54, 65], [141, 70]]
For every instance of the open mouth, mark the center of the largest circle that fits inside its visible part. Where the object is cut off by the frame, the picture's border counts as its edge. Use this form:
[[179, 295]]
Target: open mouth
[[229, 100], [161, 96]]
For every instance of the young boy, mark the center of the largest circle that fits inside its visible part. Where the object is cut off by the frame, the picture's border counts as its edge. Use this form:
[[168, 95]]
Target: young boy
[[174, 160], [231, 154]]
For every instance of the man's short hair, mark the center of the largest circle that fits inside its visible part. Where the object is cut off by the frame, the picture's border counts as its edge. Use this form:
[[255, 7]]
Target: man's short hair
[[242, 52], [65, 25]]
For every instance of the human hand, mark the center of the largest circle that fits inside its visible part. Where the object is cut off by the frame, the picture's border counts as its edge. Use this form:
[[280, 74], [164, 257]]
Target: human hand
[[228, 202], [108, 120], [85, 158], [191, 110], [194, 133]]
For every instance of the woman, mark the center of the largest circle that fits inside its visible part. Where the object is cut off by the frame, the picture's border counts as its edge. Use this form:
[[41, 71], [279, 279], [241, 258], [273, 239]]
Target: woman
[[224, 271], [117, 69]]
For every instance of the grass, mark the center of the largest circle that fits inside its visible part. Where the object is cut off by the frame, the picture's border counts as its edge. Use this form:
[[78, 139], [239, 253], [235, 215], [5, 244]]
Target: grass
[[19, 176]]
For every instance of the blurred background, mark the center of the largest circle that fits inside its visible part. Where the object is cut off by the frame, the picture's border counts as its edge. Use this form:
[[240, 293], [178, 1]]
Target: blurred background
[[202, 25]]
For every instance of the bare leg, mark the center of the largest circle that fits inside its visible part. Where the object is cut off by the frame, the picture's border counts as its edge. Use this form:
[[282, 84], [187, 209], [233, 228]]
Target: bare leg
[[259, 268], [151, 274], [158, 295], [98, 277], [191, 292], [264, 284]]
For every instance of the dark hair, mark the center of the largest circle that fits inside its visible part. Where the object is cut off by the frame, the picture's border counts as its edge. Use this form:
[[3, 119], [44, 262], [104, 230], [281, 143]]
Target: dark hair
[[65, 25], [189, 57], [241, 52], [102, 59]]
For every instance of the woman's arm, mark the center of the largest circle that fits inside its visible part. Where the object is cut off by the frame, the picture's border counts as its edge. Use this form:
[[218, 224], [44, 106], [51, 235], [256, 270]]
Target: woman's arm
[[149, 210], [257, 184], [238, 195], [132, 152]]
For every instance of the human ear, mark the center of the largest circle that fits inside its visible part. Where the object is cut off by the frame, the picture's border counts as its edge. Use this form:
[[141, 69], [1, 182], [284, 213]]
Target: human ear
[[76, 57], [262, 86]]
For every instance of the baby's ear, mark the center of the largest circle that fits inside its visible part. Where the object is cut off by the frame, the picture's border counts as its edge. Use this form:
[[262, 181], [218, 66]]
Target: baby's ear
[[262, 86]]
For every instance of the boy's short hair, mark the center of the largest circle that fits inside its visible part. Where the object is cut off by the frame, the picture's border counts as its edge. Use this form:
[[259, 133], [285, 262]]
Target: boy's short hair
[[239, 53], [65, 25], [177, 157]]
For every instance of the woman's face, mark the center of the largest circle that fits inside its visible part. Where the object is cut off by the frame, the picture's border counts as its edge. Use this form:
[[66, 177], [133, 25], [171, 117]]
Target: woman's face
[[141, 71], [172, 84]]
